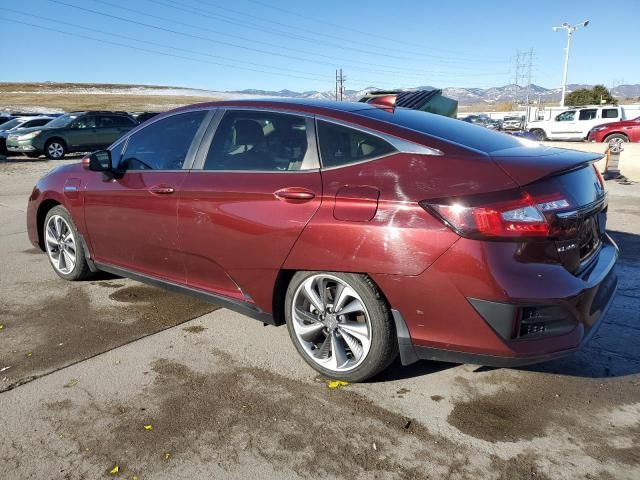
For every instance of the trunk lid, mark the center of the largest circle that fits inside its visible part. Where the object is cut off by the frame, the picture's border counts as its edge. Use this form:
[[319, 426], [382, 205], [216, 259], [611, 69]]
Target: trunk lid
[[527, 164], [578, 229]]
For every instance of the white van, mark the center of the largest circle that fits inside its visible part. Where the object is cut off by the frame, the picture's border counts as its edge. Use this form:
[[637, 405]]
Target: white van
[[575, 124]]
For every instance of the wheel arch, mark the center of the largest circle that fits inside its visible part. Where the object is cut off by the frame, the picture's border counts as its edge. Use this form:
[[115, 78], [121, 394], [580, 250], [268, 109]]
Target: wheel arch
[[282, 283], [43, 209], [615, 133], [59, 139]]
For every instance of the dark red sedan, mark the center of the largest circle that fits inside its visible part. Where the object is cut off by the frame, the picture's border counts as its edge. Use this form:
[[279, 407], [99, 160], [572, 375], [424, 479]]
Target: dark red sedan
[[369, 231], [616, 132]]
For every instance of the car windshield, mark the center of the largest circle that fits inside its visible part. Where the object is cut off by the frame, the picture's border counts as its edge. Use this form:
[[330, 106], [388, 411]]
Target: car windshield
[[62, 121], [10, 124], [447, 129]]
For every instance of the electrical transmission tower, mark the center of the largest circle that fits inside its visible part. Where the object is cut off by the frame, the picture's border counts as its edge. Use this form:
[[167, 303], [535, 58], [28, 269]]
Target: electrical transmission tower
[[340, 79], [523, 65]]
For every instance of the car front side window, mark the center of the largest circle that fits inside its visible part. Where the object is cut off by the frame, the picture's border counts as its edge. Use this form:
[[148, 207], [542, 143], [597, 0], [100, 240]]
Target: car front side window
[[84, 122], [164, 144], [566, 116]]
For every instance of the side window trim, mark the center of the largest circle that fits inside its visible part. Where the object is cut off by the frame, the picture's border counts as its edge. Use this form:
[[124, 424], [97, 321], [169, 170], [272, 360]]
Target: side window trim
[[205, 144], [195, 142], [400, 145]]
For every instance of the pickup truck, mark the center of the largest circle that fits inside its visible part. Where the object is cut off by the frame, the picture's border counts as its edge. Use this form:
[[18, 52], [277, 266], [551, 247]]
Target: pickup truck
[[574, 124]]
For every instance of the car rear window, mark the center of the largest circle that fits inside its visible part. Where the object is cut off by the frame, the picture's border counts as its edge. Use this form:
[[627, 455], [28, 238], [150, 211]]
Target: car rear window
[[609, 113], [444, 128]]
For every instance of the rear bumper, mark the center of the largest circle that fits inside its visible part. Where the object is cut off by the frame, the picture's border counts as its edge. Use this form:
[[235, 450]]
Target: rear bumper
[[436, 320]]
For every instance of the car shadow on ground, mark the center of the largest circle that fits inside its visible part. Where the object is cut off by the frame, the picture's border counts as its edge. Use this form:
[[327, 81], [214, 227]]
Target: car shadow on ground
[[612, 352]]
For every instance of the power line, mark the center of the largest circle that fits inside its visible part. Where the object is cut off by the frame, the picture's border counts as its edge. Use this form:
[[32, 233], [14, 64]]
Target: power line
[[147, 50], [207, 39], [344, 45], [239, 37], [148, 42], [361, 32]]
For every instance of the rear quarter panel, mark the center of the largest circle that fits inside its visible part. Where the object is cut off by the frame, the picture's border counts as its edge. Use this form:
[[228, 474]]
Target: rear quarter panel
[[401, 238]]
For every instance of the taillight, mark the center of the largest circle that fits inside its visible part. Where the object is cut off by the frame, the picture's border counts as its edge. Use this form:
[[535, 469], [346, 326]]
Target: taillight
[[522, 217]]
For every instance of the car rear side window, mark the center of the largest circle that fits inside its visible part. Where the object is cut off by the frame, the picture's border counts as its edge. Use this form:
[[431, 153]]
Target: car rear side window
[[260, 141], [588, 113], [163, 145], [114, 121], [340, 145], [609, 113]]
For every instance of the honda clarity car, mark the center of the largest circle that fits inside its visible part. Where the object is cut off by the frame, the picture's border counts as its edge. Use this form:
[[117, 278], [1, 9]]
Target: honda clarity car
[[370, 232], [615, 133]]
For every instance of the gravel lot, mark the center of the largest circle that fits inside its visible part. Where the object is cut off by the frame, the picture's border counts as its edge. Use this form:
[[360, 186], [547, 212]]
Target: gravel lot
[[109, 373]]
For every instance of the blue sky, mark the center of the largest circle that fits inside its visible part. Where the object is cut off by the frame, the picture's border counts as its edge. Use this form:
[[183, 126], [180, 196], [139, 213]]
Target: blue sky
[[268, 44]]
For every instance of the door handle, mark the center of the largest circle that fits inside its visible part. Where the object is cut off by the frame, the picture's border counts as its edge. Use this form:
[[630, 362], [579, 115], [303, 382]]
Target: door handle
[[162, 190], [295, 194]]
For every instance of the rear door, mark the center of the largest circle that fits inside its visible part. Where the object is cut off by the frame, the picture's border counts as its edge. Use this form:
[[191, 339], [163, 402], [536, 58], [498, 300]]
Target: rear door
[[83, 133], [587, 119], [113, 127], [241, 210], [132, 219]]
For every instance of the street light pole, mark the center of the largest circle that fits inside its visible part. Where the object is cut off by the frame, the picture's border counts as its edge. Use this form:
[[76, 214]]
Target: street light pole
[[570, 29]]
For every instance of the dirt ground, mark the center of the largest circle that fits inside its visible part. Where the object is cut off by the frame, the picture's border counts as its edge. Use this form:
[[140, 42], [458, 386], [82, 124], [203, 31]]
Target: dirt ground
[[109, 378]]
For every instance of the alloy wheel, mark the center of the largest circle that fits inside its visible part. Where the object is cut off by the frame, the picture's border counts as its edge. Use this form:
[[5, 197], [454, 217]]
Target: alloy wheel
[[61, 244], [616, 142], [331, 322], [56, 150]]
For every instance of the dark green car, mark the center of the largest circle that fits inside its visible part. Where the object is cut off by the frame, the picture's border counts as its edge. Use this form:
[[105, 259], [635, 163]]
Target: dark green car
[[73, 132]]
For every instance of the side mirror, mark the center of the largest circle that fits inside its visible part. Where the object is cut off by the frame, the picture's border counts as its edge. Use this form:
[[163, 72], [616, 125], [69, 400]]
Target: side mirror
[[100, 161]]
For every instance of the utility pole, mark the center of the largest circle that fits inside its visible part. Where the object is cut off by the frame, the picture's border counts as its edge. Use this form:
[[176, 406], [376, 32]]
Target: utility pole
[[340, 79], [570, 29], [515, 88]]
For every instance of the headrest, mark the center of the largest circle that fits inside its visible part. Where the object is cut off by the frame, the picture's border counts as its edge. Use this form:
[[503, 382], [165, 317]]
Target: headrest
[[248, 132]]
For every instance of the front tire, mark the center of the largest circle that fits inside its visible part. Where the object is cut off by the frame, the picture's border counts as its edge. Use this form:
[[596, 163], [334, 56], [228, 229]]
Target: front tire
[[63, 246], [616, 139], [340, 324], [55, 149], [539, 134]]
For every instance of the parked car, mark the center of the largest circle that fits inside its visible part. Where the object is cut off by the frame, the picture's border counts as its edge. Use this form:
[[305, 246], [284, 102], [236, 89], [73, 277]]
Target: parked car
[[73, 132], [367, 231], [18, 125], [575, 124], [513, 123], [483, 121], [616, 132], [144, 116]]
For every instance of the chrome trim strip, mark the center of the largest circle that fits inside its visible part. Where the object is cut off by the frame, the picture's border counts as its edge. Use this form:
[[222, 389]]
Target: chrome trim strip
[[584, 209]]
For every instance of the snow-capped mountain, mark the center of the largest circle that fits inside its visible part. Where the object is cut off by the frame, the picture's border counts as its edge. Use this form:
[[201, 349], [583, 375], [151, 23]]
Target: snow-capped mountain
[[465, 96]]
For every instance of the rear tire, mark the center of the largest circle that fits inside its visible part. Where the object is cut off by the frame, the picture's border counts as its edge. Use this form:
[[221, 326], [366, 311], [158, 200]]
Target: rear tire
[[616, 139], [340, 324], [63, 245], [539, 134], [55, 149]]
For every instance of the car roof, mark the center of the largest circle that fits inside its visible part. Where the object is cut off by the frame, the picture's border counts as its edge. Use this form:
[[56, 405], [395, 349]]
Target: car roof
[[319, 106]]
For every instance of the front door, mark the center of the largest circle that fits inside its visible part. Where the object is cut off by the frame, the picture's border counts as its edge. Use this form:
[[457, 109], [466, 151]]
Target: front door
[[131, 220], [242, 211]]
